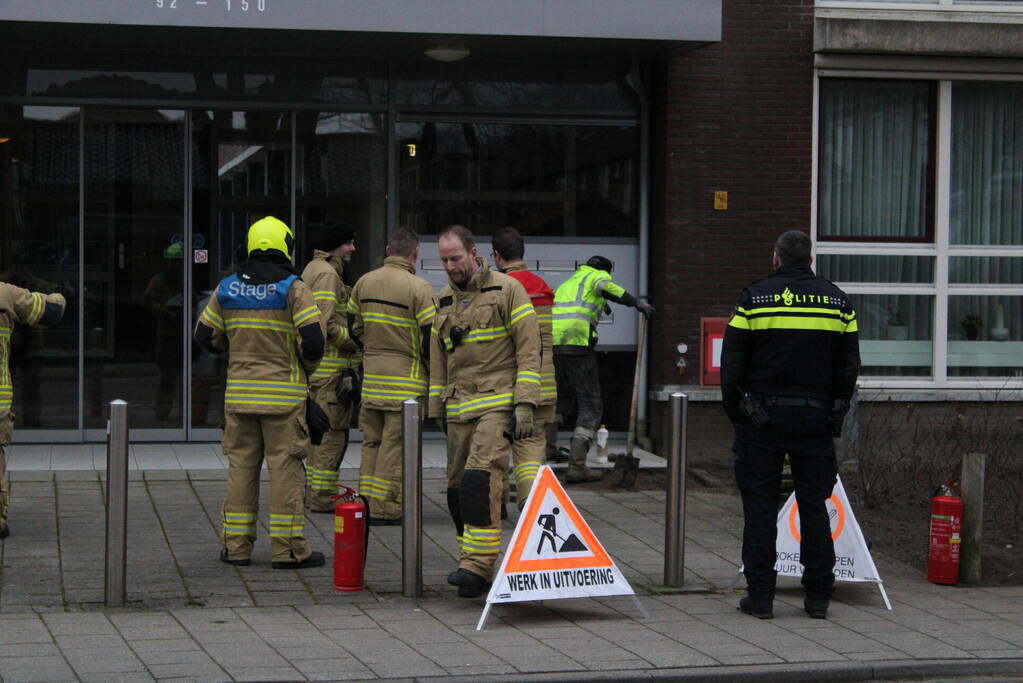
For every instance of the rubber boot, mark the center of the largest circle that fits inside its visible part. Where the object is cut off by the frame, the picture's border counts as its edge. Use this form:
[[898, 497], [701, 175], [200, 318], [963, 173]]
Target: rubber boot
[[578, 472]]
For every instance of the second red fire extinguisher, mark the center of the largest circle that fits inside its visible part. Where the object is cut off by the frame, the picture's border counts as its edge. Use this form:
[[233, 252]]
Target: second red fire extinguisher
[[351, 536], [945, 540]]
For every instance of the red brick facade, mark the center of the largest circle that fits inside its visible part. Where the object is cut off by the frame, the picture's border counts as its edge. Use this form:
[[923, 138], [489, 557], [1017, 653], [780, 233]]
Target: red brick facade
[[735, 116]]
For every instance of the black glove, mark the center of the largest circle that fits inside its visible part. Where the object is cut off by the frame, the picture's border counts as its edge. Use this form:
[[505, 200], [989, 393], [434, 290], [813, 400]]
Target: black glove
[[645, 308], [319, 423], [442, 423], [349, 387]]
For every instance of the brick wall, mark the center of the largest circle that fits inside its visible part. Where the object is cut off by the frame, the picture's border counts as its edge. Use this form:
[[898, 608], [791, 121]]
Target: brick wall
[[733, 116]]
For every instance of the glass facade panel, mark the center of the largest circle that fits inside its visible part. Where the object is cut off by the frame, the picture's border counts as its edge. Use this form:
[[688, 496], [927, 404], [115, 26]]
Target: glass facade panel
[[875, 161], [527, 86], [39, 222], [118, 83], [986, 202], [134, 314], [896, 334], [985, 336], [985, 270], [545, 180], [241, 172], [342, 177], [870, 268]]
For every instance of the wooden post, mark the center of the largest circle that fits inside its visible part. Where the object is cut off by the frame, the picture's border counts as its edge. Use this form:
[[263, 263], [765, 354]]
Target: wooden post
[[972, 485]]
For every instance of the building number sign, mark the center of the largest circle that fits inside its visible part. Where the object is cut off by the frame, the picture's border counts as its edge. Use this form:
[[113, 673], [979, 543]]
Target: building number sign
[[228, 5]]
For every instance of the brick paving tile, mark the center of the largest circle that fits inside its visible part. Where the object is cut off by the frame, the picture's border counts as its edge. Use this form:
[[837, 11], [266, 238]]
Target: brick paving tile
[[193, 618]]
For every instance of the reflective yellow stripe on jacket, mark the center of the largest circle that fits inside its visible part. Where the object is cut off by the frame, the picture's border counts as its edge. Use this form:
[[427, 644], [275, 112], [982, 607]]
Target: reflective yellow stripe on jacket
[[244, 391], [392, 387], [6, 388], [794, 318]]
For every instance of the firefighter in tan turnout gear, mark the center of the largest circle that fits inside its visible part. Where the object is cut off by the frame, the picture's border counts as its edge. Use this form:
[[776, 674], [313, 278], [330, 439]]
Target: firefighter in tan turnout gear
[[390, 312], [485, 384], [17, 305], [530, 453], [334, 382], [265, 318]]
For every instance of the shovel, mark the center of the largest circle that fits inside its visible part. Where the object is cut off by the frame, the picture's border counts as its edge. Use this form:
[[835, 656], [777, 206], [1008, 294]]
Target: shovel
[[634, 409]]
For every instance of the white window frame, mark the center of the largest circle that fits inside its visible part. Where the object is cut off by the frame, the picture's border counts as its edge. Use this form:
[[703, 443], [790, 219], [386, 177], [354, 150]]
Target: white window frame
[[993, 6], [941, 250]]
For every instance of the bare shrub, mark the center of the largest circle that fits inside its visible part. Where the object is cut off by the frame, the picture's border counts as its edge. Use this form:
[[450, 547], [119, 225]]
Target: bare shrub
[[909, 449]]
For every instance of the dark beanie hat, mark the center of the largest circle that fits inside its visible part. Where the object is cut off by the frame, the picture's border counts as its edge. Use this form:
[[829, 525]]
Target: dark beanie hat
[[330, 236]]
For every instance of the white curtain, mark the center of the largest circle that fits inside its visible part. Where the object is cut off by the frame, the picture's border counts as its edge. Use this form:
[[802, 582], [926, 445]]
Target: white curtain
[[986, 204], [875, 158]]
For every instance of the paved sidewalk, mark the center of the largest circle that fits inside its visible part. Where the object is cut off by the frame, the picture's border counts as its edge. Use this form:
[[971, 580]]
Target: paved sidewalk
[[191, 617]]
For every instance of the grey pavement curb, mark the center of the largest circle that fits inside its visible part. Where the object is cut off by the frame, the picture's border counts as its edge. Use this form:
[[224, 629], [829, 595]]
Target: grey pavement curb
[[794, 673]]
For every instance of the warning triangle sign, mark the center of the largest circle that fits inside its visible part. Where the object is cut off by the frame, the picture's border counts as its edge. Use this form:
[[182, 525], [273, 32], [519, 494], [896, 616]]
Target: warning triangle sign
[[852, 558], [554, 553], [853, 561]]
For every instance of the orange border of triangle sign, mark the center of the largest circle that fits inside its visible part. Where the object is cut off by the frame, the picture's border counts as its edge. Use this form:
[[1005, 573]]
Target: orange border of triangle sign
[[514, 564]]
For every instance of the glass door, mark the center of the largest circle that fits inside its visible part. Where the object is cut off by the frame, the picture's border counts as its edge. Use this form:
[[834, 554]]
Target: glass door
[[341, 165], [241, 170], [134, 307], [39, 226]]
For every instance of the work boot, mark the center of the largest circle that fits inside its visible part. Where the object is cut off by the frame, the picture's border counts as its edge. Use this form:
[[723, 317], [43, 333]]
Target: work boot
[[238, 562], [470, 584], [817, 608], [757, 608], [557, 454], [5, 532], [315, 559], [578, 472]]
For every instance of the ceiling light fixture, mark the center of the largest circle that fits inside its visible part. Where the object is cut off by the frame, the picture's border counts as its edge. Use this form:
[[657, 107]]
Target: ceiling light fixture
[[447, 53]]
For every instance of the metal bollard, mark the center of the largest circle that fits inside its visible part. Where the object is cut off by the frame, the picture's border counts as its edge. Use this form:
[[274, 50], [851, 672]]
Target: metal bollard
[[412, 500], [675, 512], [115, 567]]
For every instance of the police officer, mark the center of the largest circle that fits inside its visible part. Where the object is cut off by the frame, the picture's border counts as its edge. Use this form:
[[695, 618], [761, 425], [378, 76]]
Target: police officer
[[484, 369], [788, 368], [265, 318], [530, 453], [578, 304], [333, 382], [390, 312], [22, 306]]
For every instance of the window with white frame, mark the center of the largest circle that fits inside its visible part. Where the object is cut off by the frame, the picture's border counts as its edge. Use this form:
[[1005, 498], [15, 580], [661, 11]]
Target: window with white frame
[[920, 220]]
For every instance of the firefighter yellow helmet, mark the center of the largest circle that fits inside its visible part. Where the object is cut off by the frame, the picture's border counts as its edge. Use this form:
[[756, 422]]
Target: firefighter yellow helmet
[[271, 233]]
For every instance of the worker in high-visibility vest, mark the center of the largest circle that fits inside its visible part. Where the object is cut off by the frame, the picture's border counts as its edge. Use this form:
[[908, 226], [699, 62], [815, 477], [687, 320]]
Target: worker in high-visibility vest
[[578, 305]]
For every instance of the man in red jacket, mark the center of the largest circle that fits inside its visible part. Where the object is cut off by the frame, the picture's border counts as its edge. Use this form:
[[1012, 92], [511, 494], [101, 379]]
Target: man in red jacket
[[529, 454]]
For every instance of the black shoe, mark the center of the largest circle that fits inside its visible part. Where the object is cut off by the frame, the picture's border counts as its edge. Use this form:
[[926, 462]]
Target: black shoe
[[242, 562], [5, 532], [817, 608], [315, 559], [380, 521], [583, 475], [470, 584], [558, 454], [758, 610]]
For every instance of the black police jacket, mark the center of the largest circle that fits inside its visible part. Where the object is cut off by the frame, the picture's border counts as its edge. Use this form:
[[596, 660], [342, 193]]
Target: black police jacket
[[792, 334]]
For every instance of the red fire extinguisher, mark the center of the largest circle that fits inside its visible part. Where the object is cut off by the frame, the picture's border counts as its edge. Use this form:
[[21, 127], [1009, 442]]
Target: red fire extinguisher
[[946, 529], [351, 534]]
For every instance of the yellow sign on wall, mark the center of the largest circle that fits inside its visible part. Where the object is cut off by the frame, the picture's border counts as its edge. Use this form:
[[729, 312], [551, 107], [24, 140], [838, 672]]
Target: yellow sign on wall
[[721, 200]]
